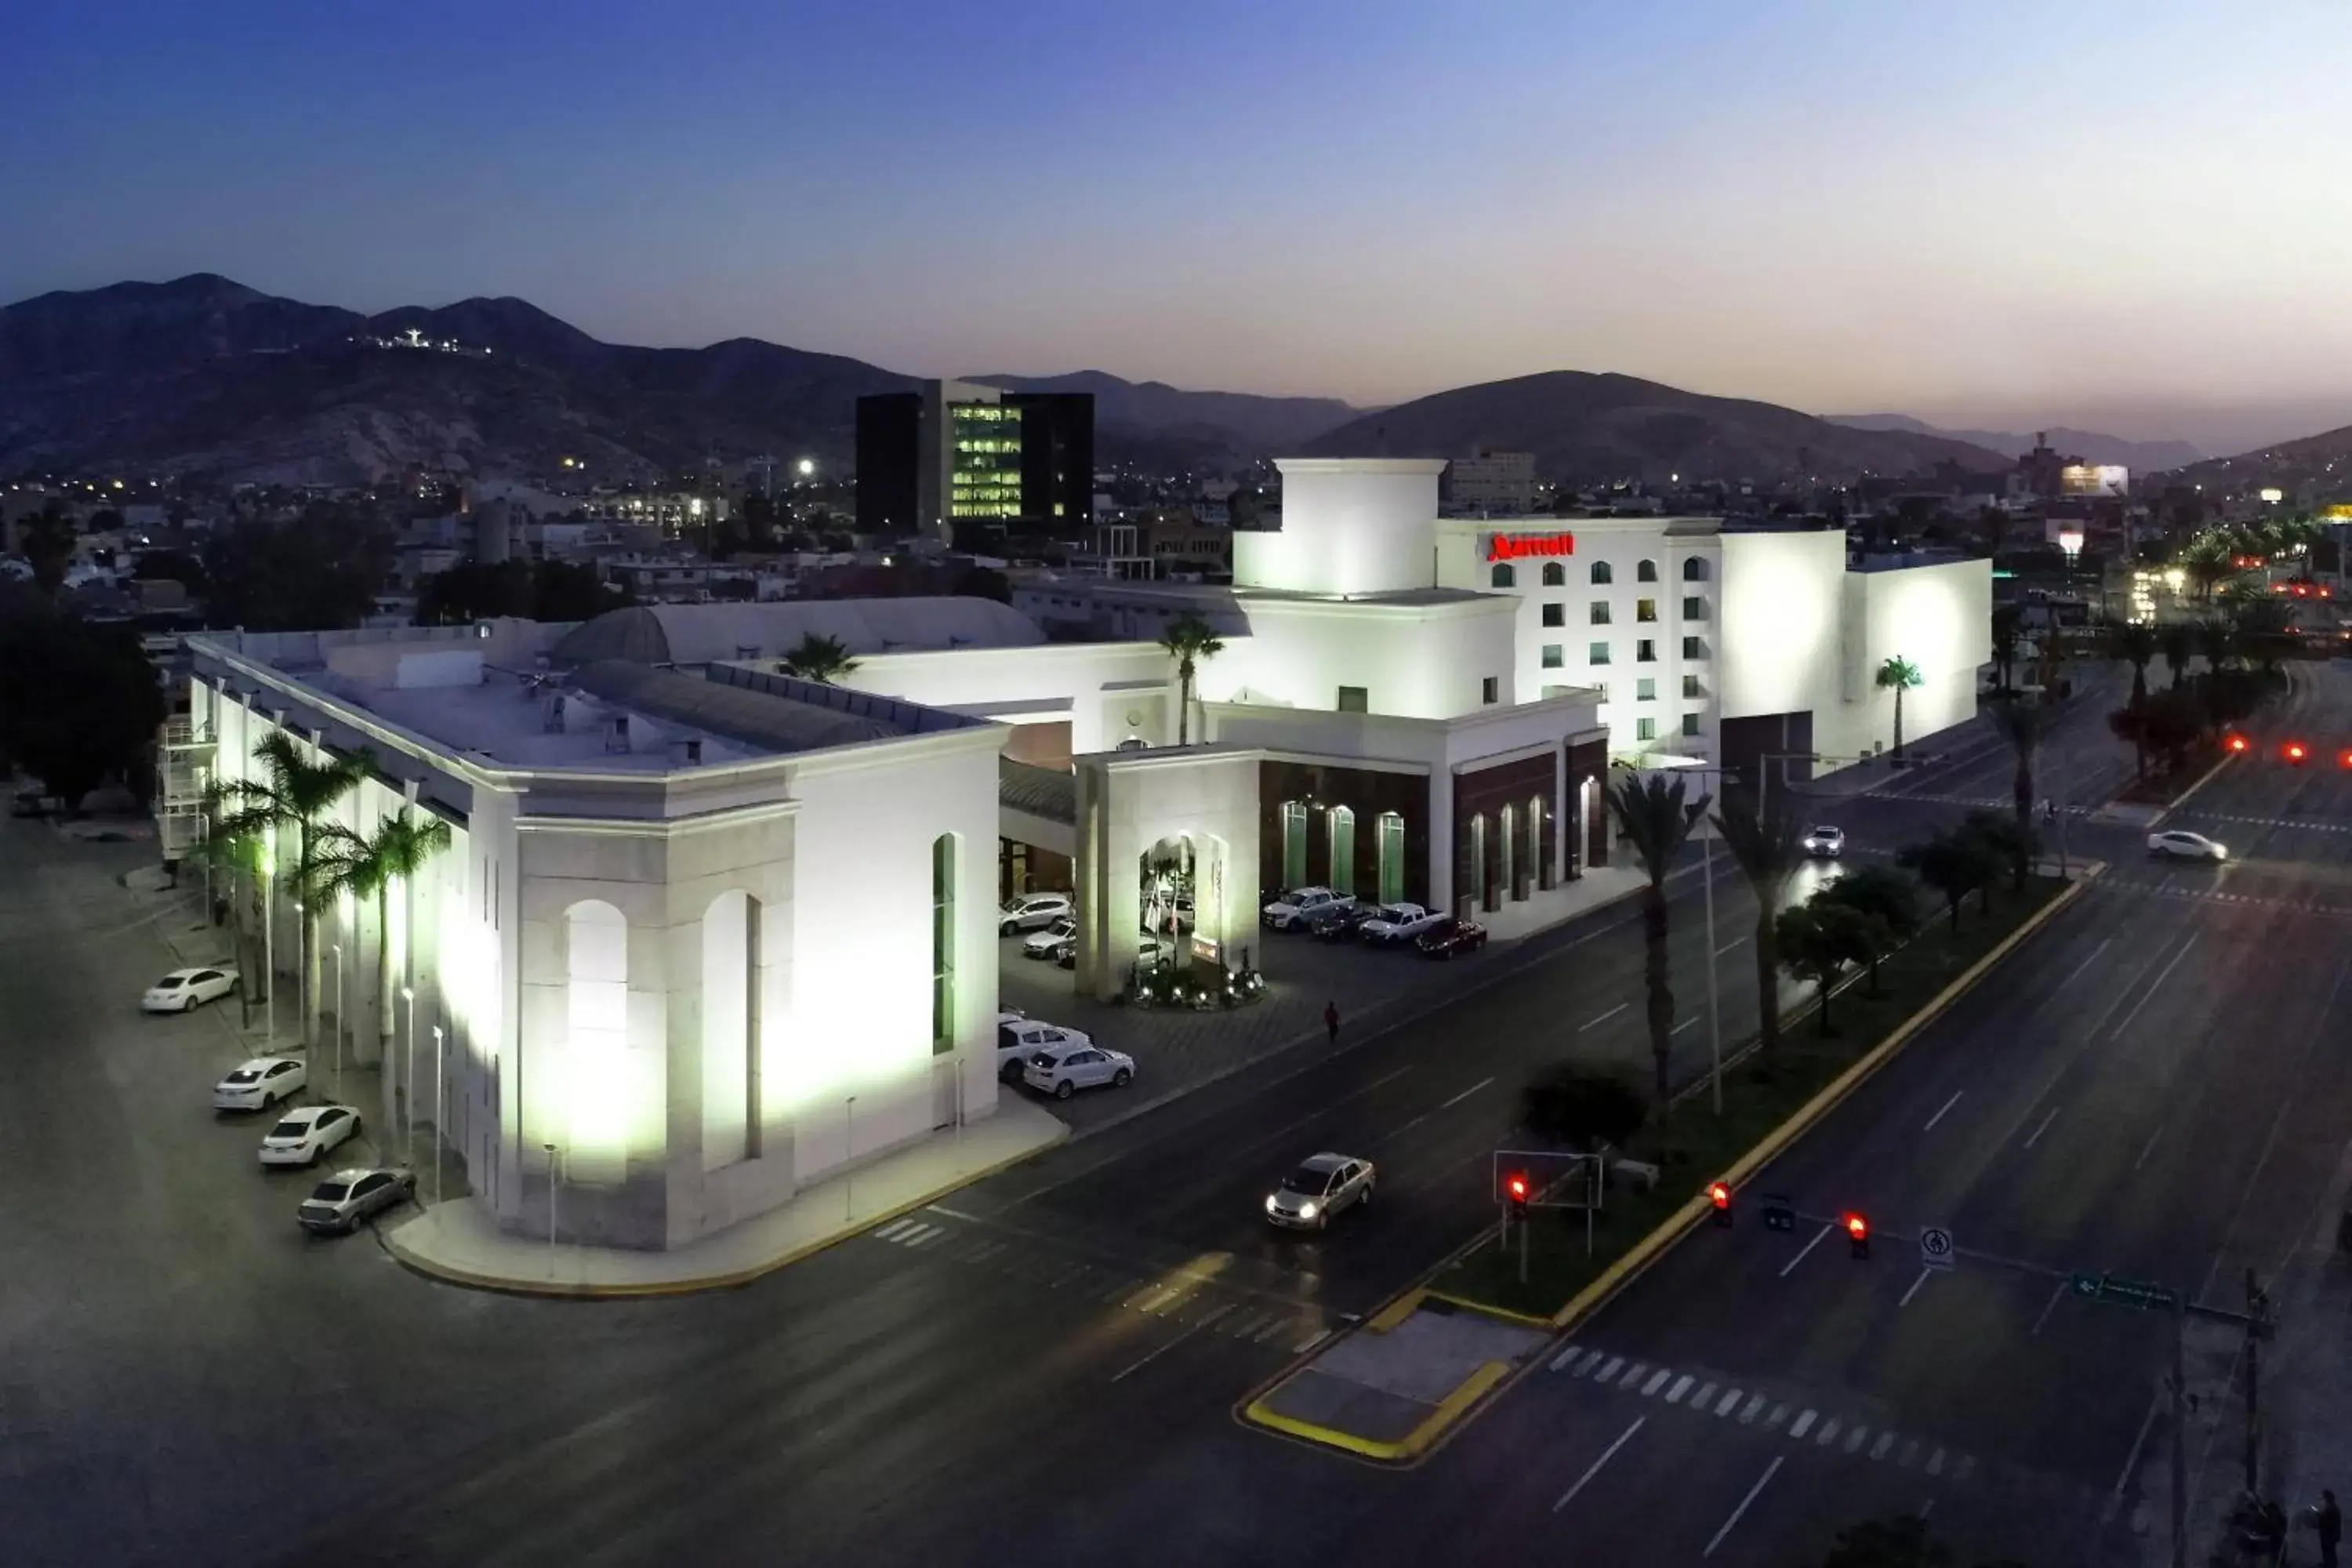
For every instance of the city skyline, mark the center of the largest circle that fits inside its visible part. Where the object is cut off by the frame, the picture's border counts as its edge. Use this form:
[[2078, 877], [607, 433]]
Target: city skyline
[[1787, 209]]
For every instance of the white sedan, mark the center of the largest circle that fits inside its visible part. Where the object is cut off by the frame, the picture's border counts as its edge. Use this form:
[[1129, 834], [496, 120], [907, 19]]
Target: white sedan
[[1062, 1071], [1040, 944], [1032, 911], [2174, 843], [260, 1083], [1322, 1186], [1825, 843], [307, 1131], [185, 989]]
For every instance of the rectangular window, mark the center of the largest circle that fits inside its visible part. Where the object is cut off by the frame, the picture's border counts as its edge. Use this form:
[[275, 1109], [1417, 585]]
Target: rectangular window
[[1555, 615], [1341, 825], [1391, 857], [1552, 657], [1645, 652], [1645, 609], [1490, 690], [1355, 700], [1691, 648], [1294, 844], [1645, 728], [1694, 608], [1598, 653], [944, 917], [1690, 723], [1647, 688], [1690, 687], [1600, 612]]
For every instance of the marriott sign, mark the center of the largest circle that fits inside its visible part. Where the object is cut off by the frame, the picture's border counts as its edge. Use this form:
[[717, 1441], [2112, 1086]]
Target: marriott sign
[[1519, 546]]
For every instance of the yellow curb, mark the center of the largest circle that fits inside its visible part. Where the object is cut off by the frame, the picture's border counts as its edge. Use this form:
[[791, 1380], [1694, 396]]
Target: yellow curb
[[1481, 1307], [1395, 1312], [581, 1290], [1446, 1412]]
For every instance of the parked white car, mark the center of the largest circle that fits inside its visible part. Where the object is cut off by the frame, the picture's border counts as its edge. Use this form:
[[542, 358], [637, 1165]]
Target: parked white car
[[184, 989], [1284, 911], [260, 1083], [1394, 925], [1032, 911], [1062, 1071], [306, 1132], [2179, 844], [1322, 1185], [1019, 1039], [1825, 843], [1040, 944], [337, 1204]]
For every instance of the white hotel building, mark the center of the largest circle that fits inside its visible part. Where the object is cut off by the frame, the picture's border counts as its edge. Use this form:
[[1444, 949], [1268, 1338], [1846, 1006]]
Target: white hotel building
[[716, 934]]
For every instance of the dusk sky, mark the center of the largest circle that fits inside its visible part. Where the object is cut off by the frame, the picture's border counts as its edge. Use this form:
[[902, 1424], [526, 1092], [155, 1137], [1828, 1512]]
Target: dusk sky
[[2130, 216]]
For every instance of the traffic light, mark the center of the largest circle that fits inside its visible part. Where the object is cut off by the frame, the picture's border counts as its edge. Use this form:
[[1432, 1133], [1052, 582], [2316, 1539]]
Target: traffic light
[[1720, 1194], [2295, 752], [1515, 1191], [2236, 742], [2345, 760], [1857, 1231]]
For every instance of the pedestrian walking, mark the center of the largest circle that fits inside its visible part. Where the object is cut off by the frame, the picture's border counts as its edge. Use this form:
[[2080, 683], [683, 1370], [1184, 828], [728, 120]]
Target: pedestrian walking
[[1331, 1020], [2330, 1525]]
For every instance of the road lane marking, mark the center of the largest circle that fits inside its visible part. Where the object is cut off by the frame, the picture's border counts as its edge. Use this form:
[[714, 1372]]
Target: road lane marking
[[2149, 994], [2038, 1132], [1726, 947], [1272, 1328], [1936, 1465], [1885, 1441], [1465, 1094], [1561, 1360], [2125, 994], [1926, 1507], [1790, 1267], [1634, 1376], [1286, 1130], [1658, 1381], [1779, 1414], [1158, 1298], [1940, 1115], [921, 1234], [1681, 1387], [1408, 1127], [1801, 1426], [1594, 1468], [1706, 1392], [1058, 1280], [953, 1213], [2085, 964], [1589, 1363], [1604, 1017], [1853, 1438], [1164, 1350], [1770, 1471], [893, 1228], [2149, 1147], [1914, 1287], [1829, 1430], [1610, 1369], [1317, 1338], [1729, 1400], [1685, 1023], [989, 1250], [1747, 1415], [1252, 1323], [2057, 1292]]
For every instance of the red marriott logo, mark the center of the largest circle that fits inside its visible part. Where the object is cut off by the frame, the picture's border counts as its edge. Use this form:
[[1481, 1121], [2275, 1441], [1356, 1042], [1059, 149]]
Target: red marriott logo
[[1518, 546]]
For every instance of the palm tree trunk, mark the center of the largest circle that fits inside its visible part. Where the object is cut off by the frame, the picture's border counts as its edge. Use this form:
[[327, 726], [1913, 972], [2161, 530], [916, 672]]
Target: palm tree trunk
[[1661, 988], [1184, 703], [1768, 980], [306, 937], [1898, 724]]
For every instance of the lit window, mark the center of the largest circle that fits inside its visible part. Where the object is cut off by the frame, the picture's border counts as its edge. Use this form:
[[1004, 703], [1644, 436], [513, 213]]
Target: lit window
[[944, 917], [1645, 609], [1647, 572], [1391, 857], [1555, 615], [1551, 656], [1599, 654], [1341, 825]]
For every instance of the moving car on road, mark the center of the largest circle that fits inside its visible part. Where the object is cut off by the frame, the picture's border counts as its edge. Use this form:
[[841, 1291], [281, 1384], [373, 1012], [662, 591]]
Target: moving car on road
[[1032, 911], [1825, 843], [1040, 944], [260, 1083], [1449, 936], [337, 1206], [1393, 925], [1322, 1185], [1062, 1071], [1019, 1039], [1285, 912], [304, 1134], [2177, 844], [184, 990]]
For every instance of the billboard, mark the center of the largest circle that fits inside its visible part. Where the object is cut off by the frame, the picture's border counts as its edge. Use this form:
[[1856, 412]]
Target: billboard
[[2093, 480]]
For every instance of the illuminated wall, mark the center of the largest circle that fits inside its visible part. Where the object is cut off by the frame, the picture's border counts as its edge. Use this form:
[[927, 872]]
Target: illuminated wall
[[1349, 525]]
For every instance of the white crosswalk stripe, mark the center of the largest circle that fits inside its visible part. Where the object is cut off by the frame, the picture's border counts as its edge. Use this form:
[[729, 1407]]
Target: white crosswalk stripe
[[1802, 1425], [1747, 1416], [1706, 1392], [1779, 1414], [1563, 1358], [1853, 1438], [1910, 1454], [1610, 1371], [923, 1234], [1729, 1401], [1936, 1465], [1681, 1387], [1885, 1441], [1829, 1430], [1657, 1382], [1589, 1363], [895, 1228], [1636, 1376]]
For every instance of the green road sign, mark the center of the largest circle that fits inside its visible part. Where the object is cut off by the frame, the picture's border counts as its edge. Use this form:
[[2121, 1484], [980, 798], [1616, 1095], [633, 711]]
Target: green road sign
[[2124, 1292]]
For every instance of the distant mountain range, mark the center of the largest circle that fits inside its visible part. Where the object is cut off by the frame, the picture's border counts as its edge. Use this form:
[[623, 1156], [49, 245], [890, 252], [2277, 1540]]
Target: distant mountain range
[[206, 375], [1585, 427], [2091, 446]]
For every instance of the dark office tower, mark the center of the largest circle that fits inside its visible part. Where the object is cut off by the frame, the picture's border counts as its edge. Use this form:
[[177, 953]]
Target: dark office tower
[[967, 463], [889, 450], [1057, 462]]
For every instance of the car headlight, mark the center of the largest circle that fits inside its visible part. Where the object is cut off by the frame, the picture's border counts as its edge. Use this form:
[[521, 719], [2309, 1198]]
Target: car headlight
[[1307, 1211], [1271, 1204]]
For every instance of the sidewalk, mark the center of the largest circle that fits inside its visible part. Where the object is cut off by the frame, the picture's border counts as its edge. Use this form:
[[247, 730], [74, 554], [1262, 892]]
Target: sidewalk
[[459, 1240]]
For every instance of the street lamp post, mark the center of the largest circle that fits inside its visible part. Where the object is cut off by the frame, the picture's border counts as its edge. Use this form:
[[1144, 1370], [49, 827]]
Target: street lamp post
[[552, 1182], [848, 1149], [408, 1079], [339, 1019], [440, 1101], [270, 950]]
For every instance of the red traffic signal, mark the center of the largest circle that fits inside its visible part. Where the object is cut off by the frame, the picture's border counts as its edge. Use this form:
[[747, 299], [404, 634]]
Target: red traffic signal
[[1718, 1194], [2295, 752], [2345, 761], [1857, 1231], [1515, 1187], [2236, 742]]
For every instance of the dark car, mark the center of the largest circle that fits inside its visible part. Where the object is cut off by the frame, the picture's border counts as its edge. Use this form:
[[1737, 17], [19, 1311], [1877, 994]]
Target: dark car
[[347, 1199], [1334, 923], [1448, 936]]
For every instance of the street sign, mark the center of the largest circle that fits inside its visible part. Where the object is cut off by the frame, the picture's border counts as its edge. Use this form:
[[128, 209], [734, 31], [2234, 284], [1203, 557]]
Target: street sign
[[2123, 1292], [1935, 1248], [1778, 1213]]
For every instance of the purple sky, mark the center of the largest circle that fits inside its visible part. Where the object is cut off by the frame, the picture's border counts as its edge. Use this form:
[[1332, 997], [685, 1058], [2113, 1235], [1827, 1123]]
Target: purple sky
[[2128, 217]]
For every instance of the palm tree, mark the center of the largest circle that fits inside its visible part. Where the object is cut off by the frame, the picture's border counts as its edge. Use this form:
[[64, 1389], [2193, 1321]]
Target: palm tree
[[2023, 725], [822, 659], [1898, 675], [396, 851], [1954, 863], [1189, 639], [1654, 815], [1821, 938], [2217, 640], [1884, 896], [2136, 644], [294, 793], [2209, 561], [2179, 640], [2007, 635], [1769, 851]]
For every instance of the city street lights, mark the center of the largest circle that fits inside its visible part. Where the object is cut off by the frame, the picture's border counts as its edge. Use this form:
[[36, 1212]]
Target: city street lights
[[408, 1078], [440, 1101], [339, 1019]]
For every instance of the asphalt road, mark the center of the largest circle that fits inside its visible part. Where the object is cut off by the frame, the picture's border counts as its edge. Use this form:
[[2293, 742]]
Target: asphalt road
[[1042, 1369]]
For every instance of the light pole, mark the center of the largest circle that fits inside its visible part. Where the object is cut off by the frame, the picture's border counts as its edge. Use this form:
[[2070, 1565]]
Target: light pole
[[269, 946], [848, 1148], [339, 1020], [408, 1079], [551, 1186], [440, 1100]]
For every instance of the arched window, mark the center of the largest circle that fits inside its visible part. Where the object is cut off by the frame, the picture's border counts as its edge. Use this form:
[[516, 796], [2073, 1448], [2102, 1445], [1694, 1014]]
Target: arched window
[[1392, 857], [596, 1019], [1507, 879], [1341, 825], [1294, 844], [1647, 572], [943, 944], [1538, 862], [1555, 575], [1478, 861], [731, 1030], [1502, 576], [1601, 576], [1694, 569]]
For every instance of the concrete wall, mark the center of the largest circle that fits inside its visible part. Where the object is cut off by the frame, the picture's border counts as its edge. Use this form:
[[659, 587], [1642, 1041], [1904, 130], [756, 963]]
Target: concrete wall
[[1940, 618], [1129, 801], [1783, 611], [1415, 661], [1349, 525], [1034, 685]]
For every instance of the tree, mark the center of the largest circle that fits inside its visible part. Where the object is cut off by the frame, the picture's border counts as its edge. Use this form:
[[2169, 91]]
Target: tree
[[2179, 640], [1654, 815], [80, 703], [1580, 1109], [2005, 841], [1188, 640], [1818, 938], [2209, 561], [2172, 720], [1898, 675], [2131, 724], [320, 572], [822, 659], [2136, 644], [2023, 725], [2264, 630], [294, 792], [539, 591], [47, 540], [172, 566], [2217, 640], [1768, 848], [1954, 863], [2008, 642], [1883, 895], [369, 868]]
